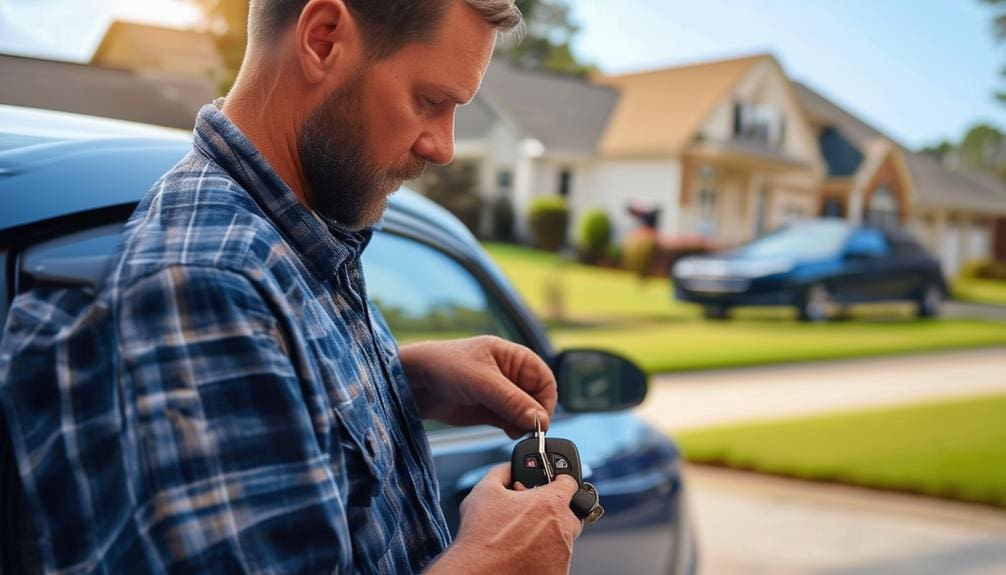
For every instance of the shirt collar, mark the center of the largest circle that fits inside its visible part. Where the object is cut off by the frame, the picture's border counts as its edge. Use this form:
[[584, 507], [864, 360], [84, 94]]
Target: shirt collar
[[323, 243]]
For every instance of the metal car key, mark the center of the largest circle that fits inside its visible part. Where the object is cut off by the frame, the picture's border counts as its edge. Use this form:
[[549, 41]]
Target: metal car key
[[537, 460]]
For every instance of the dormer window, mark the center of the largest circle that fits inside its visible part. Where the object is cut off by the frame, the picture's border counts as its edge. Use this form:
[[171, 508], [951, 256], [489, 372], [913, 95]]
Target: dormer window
[[759, 123]]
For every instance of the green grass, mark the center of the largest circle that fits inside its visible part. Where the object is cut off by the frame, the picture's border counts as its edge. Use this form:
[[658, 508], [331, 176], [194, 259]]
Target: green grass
[[951, 449], [700, 344], [980, 291], [613, 310]]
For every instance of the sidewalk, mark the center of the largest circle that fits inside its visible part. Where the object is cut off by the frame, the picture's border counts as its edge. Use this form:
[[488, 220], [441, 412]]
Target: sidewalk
[[703, 399], [755, 524]]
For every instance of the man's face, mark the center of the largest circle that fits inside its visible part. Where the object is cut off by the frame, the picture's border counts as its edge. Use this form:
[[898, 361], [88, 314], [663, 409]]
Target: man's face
[[379, 128]]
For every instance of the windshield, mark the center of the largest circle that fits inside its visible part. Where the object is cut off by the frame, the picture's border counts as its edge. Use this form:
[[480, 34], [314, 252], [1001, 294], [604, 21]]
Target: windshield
[[820, 239]]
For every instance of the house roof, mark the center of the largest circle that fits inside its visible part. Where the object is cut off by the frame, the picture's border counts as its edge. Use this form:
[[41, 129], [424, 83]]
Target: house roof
[[157, 48], [935, 185], [566, 114], [83, 89], [659, 111]]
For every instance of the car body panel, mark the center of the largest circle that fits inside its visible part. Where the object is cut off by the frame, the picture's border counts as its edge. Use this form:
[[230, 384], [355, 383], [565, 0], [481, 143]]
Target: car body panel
[[852, 272]]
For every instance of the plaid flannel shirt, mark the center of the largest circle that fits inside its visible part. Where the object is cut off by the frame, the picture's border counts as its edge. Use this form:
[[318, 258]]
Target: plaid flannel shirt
[[229, 401]]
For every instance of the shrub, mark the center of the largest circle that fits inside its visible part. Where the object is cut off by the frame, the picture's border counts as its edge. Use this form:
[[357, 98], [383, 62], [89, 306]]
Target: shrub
[[595, 235], [503, 220], [984, 269], [638, 251], [549, 219]]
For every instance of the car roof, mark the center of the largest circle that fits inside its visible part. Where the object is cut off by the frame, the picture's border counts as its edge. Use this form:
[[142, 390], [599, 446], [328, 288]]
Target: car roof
[[113, 163]]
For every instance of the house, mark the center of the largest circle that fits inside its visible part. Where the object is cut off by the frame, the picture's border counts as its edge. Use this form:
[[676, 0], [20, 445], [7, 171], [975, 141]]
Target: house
[[874, 179], [150, 97], [531, 133], [721, 149], [725, 150], [173, 52]]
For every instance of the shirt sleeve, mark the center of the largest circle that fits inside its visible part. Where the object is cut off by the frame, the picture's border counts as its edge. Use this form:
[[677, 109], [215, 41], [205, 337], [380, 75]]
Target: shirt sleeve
[[228, 466]]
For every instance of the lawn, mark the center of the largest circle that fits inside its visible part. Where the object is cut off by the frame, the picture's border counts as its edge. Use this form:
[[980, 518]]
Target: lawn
[[953, 449], [612, 309], [980, 291]]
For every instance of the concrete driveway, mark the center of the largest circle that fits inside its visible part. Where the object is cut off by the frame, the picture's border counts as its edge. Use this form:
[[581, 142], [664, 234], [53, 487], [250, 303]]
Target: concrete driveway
[[750, 524], [753, 524], [702, 399]]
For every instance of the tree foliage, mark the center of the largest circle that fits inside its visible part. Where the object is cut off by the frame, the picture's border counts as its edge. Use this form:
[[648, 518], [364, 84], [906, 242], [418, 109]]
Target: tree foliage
[[999, 27], [227, 20], [548, 43], [983, 148]]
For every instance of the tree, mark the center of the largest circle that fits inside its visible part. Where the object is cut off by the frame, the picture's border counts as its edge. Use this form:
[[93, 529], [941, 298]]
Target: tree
[[227, 20], [999, 27], [548, 43], [983, 148]]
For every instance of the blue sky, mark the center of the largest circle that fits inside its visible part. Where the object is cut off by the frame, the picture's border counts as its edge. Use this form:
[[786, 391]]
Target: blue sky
[[920, 70]]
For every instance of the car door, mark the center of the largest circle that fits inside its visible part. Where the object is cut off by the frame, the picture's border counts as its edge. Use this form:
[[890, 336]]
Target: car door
[[865, 274], [427, 293]]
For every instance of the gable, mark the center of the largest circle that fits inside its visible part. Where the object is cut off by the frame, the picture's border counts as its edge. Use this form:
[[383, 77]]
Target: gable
[[658, 112]]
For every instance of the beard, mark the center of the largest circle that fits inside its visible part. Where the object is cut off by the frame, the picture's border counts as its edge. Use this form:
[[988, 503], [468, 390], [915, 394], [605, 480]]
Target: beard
[[344, 183]]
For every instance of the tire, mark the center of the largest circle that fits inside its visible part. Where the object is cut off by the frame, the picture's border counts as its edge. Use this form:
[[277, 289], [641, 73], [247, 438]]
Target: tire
[[929, 301], [716, 312], [815, 304]]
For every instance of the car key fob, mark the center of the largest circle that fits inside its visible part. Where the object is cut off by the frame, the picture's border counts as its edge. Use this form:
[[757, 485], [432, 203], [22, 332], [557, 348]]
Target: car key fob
[[527, 467], [537, 461]]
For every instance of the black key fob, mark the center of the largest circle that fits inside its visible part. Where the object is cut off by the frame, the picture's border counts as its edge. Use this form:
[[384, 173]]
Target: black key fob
[[526, 465]]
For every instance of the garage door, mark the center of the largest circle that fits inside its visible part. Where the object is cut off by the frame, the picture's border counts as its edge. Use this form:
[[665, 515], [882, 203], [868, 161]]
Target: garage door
[[979, 246], [950, 249]]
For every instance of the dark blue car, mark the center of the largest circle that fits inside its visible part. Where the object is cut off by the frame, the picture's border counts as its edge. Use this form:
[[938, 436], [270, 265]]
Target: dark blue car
[[815, 266], [67, 185]]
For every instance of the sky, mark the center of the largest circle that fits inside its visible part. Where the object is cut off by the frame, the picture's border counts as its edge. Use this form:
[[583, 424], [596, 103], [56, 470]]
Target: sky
[[919, 70]]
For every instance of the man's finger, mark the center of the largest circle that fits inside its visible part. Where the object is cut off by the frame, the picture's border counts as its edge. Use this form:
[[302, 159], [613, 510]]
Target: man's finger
[[515, 406], [565, 484], [498, 475]]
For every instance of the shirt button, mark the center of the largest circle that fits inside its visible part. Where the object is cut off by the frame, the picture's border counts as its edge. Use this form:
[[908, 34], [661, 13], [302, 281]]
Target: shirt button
[[371, 444]]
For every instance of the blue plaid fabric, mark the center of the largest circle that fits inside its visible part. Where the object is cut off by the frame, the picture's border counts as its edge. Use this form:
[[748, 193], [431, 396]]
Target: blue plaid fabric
[[229, 401]]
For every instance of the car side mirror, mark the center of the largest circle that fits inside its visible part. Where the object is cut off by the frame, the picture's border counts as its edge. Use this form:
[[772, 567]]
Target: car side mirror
[[594, 380]]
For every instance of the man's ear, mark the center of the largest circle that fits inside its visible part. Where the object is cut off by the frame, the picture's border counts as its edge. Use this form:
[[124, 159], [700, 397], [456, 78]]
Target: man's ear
[[325, 35]]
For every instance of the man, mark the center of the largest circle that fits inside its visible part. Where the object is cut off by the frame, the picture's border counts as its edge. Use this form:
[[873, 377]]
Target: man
[[231, 402]]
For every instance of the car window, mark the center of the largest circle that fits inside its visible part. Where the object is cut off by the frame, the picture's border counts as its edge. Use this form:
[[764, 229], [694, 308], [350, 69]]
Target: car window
[[868, 241], [821, 239], [424, 294]]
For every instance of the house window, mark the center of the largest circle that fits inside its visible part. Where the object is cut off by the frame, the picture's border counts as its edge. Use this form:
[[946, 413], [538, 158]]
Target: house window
[[565, 182], [833, 208], [504, 179], [793, 213], [883, 208], [759, 123]]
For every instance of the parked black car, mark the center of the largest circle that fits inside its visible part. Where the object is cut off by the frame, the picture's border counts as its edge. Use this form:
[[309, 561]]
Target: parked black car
[[816, 266], [67, 185]]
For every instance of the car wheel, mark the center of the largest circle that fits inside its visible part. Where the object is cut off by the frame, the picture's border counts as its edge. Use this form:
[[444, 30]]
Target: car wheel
[[929, 302], [716, 312], [816, 304]]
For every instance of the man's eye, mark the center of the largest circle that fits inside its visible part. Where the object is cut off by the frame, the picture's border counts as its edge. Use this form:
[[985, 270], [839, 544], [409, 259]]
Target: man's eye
[[432, 102]]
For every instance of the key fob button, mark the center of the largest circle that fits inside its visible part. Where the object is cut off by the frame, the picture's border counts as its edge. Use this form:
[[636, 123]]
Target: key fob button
[[531, 462], [559, 462]]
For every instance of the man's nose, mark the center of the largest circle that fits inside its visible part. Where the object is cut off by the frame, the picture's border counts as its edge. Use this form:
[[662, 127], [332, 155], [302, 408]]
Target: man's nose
[[436, 143]]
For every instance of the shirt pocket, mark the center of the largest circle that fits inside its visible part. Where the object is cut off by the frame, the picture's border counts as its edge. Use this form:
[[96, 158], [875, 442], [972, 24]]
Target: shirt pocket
[[365, 449]]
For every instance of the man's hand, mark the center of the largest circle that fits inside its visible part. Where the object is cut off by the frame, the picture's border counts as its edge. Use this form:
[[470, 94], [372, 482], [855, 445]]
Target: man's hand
[[513, 532], [482, 380]]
